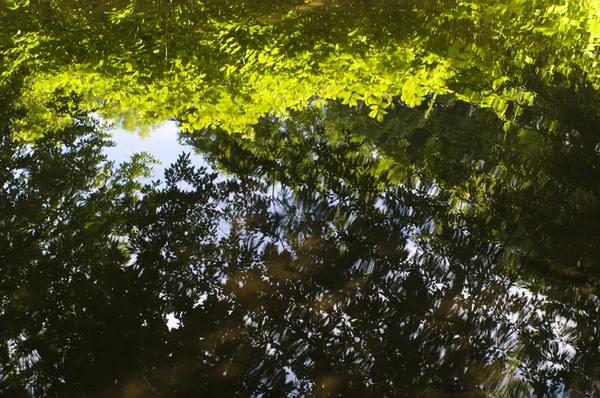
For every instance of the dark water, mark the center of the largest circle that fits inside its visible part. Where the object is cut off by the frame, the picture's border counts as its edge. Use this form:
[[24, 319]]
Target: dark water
[[407, 200]]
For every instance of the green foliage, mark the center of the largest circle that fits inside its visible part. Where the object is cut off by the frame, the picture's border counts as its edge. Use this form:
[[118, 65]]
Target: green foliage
[[213, 66], [415, 215], [348, 250]]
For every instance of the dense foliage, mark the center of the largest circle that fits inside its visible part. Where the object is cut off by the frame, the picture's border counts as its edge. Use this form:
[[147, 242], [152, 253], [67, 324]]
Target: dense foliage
[[415, 214], [226, 65], [328, 270]]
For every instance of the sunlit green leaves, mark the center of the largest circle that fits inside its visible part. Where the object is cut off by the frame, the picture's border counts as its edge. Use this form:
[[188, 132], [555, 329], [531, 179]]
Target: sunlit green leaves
[[161, 61]]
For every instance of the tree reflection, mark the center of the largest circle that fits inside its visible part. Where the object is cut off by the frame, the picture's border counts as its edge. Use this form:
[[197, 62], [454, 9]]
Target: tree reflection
[[496, 286], [436, 253], [226, 65]]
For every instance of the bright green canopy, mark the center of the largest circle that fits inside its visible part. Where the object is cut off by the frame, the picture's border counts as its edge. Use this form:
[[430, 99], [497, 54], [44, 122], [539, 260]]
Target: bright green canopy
[[211, 64]]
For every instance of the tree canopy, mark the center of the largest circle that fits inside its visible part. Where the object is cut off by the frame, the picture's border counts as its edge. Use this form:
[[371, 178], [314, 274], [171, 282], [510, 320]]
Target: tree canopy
[[314, 266], [210, 64], [405, 201]]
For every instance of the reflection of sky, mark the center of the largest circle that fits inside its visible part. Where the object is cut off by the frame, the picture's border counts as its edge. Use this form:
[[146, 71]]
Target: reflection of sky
[[162, 144]]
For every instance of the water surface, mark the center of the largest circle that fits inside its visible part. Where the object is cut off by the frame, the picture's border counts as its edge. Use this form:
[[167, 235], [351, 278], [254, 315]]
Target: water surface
[[402, 199]]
